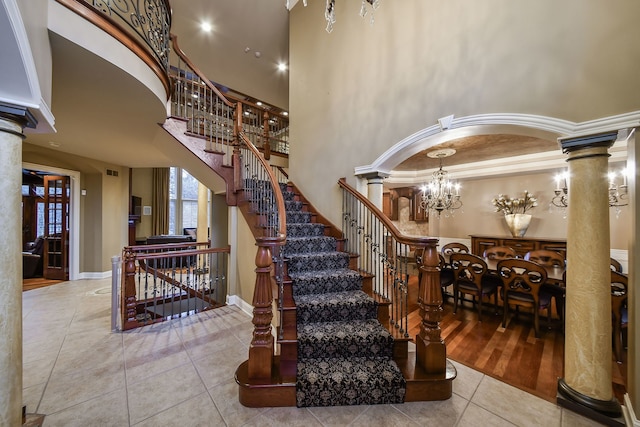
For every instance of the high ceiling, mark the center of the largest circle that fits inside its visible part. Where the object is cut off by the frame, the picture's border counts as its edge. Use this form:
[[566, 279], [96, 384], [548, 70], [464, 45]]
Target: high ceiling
[[84, 96]]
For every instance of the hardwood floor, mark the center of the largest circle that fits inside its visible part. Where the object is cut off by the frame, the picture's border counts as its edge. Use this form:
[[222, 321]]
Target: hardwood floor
[[512, 354], [37, 282]]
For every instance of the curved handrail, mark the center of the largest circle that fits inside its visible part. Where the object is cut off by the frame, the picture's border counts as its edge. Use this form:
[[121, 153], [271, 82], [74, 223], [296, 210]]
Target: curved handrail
[[200, 74], [107, 24], [409, 240], [280, 207]]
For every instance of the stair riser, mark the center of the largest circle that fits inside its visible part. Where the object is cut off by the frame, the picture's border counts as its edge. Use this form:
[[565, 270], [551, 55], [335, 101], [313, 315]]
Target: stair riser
[[316, 349], [305, 230], [311, 245], [316, 285], [330, 312], [310, 263]]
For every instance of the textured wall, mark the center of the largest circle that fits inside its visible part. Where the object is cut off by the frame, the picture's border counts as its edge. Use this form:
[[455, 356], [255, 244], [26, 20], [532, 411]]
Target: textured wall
[[359, 90]]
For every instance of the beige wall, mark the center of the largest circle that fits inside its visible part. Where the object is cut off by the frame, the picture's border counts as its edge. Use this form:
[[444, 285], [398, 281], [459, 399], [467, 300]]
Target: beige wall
[[141, 186], [478, 216], [246, 265], [356, 92], [115, 218], [103, 210]]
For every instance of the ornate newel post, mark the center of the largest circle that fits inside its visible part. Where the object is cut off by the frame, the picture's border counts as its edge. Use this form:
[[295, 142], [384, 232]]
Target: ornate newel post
[[12, 121], [129, 300], [431, 352], [261, 350], [586, 387]]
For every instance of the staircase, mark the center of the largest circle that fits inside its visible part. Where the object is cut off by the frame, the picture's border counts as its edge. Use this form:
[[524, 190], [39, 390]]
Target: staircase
[[344, 354], [340, 342]]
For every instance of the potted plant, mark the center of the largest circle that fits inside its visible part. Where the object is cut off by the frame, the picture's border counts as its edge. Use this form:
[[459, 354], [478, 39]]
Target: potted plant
[[515, 211]]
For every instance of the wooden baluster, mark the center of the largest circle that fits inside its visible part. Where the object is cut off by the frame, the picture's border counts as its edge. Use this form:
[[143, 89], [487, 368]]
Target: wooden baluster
[[261, 350], [129, 301], [431, 352], [266, 145]]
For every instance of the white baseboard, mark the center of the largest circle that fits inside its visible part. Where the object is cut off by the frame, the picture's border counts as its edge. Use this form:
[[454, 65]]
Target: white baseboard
[[630, 418], [239, 302], [94, 275]]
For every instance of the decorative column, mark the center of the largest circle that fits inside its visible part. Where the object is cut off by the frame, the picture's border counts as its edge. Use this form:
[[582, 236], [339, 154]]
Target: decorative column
[[203, 207], [587, 385], [12, 122], [374, 187]]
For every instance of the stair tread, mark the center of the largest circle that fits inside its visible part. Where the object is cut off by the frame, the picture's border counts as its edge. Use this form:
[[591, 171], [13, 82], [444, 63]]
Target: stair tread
[[349, 381], [333, 297]]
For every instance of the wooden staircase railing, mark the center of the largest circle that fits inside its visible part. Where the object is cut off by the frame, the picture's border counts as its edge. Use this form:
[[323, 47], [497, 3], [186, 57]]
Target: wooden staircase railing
[[239, 136], [224, 127], [171, 280], [387, 255]]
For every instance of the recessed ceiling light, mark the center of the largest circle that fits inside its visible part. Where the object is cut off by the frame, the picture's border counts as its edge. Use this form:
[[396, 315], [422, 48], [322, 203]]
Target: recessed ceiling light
[[282, 66], [259, 103], [206, 27], [257, 54]]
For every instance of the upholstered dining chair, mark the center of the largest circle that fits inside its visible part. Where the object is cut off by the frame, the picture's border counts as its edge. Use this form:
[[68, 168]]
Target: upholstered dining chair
[[470, 277], [522, 286], [499, 252], [547, 258], [446, 277], [619, 313]]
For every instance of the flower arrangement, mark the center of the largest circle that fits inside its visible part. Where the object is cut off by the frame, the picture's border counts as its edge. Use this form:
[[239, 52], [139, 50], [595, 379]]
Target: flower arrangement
[[507, 205]]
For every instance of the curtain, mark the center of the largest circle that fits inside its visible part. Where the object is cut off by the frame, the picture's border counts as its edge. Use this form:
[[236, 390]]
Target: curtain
[[160, 201]]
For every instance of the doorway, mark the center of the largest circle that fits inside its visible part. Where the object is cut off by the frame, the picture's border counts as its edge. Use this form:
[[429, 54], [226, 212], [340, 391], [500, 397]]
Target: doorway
[[45, 225], [53, 213]]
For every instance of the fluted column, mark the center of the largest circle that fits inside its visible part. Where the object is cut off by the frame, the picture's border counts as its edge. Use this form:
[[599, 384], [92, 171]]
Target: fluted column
[[12, 121], [587, 384]]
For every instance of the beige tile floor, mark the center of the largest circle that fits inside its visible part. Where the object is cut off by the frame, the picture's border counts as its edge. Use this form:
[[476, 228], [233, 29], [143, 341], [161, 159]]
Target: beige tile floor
[[180, 373]]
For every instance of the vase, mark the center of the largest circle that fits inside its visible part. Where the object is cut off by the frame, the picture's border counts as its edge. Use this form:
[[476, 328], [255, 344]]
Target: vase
[[518, 223]]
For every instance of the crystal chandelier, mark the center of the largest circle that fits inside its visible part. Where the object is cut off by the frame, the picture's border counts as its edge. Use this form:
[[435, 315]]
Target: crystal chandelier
[[441, 194], [618, 193], [330, 10]]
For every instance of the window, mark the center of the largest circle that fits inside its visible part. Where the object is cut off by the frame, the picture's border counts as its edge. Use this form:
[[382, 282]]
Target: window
[[183, 200]]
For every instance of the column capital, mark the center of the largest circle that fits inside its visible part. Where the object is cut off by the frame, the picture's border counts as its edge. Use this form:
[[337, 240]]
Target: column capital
[[606, 139], [17, 114], [374, 176]]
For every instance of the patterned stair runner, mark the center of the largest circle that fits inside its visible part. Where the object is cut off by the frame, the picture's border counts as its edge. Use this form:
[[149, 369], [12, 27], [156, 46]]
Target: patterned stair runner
[[344, 353]]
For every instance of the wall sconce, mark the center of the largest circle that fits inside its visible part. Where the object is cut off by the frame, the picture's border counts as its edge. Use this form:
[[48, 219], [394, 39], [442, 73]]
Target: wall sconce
[[618, 192]]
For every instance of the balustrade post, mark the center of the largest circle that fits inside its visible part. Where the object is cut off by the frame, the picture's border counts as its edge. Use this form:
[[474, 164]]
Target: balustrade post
[[235, 160], [266, 145], [431, 352], [129, 301], [261, 350]]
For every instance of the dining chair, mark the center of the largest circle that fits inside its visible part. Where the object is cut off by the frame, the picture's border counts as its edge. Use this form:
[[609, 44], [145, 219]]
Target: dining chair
[[446, 277], [446, 272], [546, 257], [615, 265], [454, 247], [499, 252], [619, 312], [470, 277], [522, 286]]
